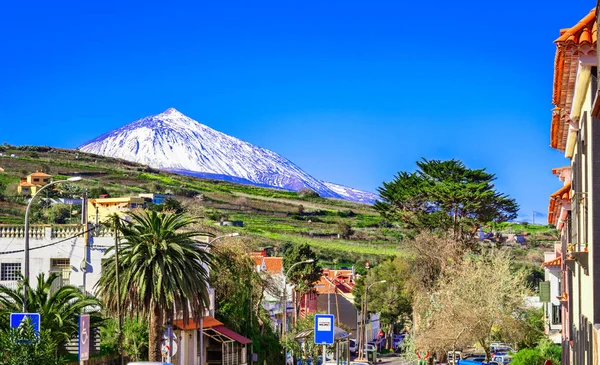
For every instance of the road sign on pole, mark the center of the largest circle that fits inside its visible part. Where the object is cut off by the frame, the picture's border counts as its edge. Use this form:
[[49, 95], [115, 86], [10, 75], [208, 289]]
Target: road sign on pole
[[324, 329], [20, 319], [84, 337]]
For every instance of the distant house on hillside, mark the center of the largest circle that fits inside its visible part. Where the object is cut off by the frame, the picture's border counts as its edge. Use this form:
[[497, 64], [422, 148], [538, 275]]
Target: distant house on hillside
[[100, 209], [1, 170], [156, 198], [32, 183]]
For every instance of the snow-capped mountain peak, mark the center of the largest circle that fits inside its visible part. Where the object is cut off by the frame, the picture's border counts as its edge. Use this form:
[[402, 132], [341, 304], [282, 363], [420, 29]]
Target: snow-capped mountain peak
[[172, 141]]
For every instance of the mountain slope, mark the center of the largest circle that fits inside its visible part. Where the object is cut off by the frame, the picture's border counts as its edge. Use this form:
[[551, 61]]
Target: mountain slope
[[175, 142]]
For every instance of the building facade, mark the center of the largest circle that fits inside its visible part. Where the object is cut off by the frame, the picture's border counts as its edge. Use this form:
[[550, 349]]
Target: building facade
[[32, 183], [575, 131], [99, 210]]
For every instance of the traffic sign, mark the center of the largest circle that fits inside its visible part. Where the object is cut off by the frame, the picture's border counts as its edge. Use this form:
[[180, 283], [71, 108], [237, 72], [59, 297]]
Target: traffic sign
[[324, 329], [84, 337], [19, 319], [165, 348]]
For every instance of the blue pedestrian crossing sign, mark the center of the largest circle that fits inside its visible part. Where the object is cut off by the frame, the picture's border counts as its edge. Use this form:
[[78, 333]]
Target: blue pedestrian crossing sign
[[324, 329], [21, 319]]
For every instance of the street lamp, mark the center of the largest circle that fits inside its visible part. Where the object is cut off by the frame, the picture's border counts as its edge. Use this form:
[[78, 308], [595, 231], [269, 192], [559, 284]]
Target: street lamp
[[364, 334], [284, 308], [26, 269]]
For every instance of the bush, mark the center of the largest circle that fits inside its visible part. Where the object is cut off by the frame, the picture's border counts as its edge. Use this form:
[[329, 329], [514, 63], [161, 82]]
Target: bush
[[344, 230], [173, 205], [308, 193], [528, 357]]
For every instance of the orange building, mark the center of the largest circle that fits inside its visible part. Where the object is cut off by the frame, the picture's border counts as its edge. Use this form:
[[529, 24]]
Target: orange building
[[32, 183], [573, 268]]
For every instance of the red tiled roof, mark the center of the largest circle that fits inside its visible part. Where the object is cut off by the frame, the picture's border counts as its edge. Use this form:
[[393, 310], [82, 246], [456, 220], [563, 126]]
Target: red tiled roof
[[553, 208], [257, 260], [580, 38], [274, 264], [39, 174], [192, 324], [552, 263]]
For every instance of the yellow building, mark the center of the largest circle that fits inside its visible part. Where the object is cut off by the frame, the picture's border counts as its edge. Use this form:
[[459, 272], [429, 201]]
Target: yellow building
[[32, 183], [98, 210]]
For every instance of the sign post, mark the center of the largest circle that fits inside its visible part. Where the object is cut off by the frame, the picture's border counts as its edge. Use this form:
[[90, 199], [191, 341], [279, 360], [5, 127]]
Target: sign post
[[324, 331], [84, 338]]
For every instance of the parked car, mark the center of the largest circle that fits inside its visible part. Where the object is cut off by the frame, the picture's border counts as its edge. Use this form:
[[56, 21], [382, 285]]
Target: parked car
[[370, 346], [453, 358], [353, 347]]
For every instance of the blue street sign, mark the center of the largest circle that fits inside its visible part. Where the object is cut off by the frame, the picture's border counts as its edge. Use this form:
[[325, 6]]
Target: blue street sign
[[19, 319], [84, 337], [324, 329]]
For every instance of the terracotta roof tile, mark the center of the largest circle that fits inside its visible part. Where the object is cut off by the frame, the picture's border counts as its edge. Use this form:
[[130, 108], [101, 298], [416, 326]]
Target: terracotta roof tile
[[552, 263], [192, 324], [580, 38], [274, 265], [553, 207], [258, 260], [40, 174]]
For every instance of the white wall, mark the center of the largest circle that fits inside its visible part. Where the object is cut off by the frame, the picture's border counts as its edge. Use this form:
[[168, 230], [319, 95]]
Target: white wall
[[56, 248]]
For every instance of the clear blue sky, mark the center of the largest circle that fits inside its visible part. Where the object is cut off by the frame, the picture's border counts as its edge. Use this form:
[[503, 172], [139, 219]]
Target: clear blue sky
[[351, 91]]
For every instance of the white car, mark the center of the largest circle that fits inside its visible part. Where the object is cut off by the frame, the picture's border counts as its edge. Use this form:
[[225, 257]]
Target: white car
[[353, 347]]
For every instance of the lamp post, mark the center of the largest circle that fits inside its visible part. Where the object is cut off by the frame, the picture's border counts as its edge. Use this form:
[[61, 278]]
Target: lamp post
[[284, 307], [361, 350], [26, 268]]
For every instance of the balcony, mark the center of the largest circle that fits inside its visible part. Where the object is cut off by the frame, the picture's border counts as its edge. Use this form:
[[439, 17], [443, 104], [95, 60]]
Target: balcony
[[575, 257]]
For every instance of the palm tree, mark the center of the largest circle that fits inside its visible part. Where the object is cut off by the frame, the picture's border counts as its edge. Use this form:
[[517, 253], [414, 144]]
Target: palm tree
[[59, 310], [162, 270]]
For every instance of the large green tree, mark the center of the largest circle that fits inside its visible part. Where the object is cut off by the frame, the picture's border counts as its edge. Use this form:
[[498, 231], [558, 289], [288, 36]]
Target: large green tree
[[59, 309], [163, 271], [305, 275], [239, 291], [445, 195], [391, 300]]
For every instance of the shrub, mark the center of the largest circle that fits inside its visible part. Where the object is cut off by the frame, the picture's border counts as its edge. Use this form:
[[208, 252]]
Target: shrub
[[308, 193], [344, 230], [528, 357]]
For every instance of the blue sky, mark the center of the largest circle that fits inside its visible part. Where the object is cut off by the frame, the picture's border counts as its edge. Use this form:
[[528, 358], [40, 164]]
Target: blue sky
[[351, 91]]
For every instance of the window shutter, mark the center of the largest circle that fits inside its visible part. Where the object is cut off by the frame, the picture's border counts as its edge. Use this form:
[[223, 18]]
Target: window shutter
[[545, 291]]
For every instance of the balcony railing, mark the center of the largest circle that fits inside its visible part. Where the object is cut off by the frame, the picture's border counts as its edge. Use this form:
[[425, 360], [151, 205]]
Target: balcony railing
[[39, 231]]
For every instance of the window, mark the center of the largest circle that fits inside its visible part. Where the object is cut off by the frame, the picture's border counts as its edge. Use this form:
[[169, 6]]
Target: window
[[36, 180], [556, 314], [10, 271], [61, 263]]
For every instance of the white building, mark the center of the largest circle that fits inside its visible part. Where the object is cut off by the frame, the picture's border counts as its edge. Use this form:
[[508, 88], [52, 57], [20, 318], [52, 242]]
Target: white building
[[57, 248]]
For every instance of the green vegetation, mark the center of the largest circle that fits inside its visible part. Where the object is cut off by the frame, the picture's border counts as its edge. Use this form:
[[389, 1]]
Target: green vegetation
[[59, 310], [161, 269]]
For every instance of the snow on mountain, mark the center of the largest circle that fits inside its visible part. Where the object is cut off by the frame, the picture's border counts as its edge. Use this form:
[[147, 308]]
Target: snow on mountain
[[173, 141], [352, 194]]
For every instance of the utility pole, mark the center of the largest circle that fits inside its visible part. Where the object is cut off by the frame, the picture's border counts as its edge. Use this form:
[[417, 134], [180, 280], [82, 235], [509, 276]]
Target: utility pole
[[116, 226], [84, 218]]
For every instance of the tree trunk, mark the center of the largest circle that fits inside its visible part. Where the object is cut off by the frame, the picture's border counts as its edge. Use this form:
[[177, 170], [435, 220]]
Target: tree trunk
[[156, 331]]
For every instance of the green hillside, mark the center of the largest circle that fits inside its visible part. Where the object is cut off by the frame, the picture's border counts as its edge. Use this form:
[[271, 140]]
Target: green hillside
[[342, 232], [271, 217]]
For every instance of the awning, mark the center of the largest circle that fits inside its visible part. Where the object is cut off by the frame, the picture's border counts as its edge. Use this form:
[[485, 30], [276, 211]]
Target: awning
[[192, 324], [224, 334]]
